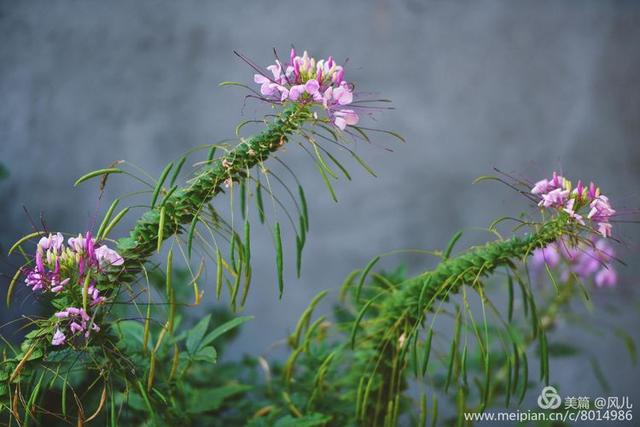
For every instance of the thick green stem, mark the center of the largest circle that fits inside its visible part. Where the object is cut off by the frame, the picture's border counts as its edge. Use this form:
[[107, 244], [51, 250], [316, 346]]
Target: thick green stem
[[180, 207], [405, 307], [467, 269]]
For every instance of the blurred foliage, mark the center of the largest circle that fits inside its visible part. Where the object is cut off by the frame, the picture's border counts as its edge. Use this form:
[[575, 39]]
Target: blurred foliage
[[4, 172]]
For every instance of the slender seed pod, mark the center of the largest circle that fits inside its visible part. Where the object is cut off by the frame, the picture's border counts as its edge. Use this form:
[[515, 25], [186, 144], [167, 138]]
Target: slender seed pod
[[184, 203]]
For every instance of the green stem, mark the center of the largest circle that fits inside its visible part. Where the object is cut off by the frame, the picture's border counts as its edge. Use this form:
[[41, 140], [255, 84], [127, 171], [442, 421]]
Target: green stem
[[181, 206], [407, 304]]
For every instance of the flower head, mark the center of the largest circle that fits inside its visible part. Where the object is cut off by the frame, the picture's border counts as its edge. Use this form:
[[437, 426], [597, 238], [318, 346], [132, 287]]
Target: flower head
[[77, 321], [577, 203], [587, 260], [58, 338], [63, 270], [606, 277], [54, 242], [308, 81], [549, 256], [107, 257]]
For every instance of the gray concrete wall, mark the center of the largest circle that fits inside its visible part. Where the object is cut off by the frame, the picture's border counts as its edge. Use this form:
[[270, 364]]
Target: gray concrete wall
[[525, 86]]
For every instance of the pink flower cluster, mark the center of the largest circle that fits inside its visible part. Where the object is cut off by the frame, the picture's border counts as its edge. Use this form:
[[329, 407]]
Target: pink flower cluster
[[557, 193], [307, 81], [63, 270], [587, 260], [78, 321]]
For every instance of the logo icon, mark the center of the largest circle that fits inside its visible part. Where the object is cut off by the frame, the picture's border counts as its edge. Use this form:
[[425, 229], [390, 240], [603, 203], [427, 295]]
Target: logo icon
[[549, 398]]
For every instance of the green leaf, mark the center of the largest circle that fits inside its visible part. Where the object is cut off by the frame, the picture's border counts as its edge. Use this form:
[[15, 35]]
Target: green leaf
[[132, 335], [211, 399], [223, 329], [195, 335], [310, 420], [206, 354]]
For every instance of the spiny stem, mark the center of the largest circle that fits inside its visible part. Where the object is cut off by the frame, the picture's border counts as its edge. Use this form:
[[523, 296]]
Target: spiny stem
[[410, 300], [181, 207]]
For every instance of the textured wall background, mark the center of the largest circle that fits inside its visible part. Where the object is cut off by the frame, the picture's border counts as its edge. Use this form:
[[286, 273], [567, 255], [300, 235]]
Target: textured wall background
[[527, 87]]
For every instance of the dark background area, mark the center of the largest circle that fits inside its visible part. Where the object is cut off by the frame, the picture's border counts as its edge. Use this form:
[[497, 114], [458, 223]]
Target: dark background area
[[527, 86]]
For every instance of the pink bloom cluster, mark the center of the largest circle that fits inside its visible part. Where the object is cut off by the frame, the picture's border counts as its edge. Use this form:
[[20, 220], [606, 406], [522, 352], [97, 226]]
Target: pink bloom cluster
[[592, 260], [557, 193], [78, 321], [63, 270], [307, 81]]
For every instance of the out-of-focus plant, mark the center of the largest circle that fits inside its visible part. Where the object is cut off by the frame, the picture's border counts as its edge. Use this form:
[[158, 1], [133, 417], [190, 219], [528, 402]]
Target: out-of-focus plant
[[119, 345], [4, 172]]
